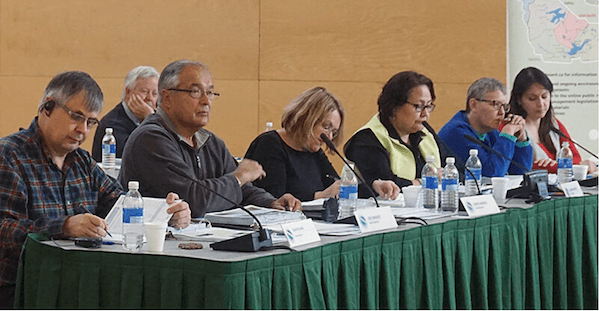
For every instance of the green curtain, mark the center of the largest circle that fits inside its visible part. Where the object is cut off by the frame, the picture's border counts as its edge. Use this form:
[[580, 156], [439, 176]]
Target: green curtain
[[544, 257]]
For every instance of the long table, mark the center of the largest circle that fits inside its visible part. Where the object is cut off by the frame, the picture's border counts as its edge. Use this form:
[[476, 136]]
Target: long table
[[542, 257]]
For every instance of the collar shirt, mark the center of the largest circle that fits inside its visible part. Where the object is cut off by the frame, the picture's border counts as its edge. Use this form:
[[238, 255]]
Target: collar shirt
[[36, 196]]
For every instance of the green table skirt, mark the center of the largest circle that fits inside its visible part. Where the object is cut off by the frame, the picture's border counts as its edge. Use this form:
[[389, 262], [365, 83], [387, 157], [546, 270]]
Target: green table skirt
[[544, 257]]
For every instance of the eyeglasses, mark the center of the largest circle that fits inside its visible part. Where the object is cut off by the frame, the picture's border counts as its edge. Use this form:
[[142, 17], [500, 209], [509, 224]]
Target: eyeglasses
[[79, 118], [419, 107], [328, 127], [496, 104], [197, 93]]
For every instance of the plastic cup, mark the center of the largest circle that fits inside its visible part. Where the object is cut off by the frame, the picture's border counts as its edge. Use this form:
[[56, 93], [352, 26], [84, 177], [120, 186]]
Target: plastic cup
[[155, 234], [410, 195], [500, 185], [580, 171]]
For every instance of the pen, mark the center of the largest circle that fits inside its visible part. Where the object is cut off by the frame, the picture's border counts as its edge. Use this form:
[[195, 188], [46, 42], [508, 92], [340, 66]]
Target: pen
[[87, 211], [332, 177]]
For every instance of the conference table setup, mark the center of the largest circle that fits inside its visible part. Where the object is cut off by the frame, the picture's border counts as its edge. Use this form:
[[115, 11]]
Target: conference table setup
[[527, 256]]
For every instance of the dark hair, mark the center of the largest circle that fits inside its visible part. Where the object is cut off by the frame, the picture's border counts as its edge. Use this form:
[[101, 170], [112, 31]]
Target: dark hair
[[524, 80], [396, 91], [67, 84]]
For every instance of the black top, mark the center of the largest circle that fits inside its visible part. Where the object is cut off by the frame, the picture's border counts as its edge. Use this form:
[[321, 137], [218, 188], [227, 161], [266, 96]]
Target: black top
[[372, 159], [122, 126], [301, 173]]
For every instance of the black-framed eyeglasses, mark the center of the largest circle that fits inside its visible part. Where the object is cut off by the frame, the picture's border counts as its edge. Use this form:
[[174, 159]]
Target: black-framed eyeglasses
[[496, 104], [419, 107], [197, 93], [328, 127], [79, 118]]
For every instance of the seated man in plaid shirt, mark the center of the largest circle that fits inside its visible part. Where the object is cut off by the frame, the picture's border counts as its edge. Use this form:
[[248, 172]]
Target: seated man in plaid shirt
[[47, 182]]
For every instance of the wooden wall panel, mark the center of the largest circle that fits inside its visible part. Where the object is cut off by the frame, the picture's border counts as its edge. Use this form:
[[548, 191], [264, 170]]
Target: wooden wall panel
[[42, 37], [337, 40], [262, 53]]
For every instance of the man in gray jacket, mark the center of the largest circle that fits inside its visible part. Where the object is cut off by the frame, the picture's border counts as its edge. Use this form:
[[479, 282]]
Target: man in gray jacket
[[173, 142]]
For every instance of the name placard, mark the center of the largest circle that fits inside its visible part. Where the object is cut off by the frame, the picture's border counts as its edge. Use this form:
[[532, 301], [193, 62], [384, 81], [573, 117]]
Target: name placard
[[375, 219], [300, 232], [572, 189], [480, 205]]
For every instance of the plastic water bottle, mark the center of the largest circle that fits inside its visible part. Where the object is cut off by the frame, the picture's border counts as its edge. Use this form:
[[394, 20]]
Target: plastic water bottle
[[473, 164], [133, 218], [564, 164], [348, 192], [109, 150], [268, 127], [430, 184], [449, 187]]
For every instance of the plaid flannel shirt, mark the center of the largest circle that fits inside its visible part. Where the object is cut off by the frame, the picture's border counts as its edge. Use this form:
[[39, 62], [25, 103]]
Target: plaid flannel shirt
[[37, 197]]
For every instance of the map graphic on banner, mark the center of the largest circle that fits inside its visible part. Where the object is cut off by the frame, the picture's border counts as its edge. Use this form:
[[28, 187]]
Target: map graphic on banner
[[560, 38], [558, 35]]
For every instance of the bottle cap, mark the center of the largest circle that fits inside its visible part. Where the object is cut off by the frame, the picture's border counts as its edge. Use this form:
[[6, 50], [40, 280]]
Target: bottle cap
[[473, 152], [109, 130], [268, 124], [450, 160], [565, 144], [430, 158], [133, 185]]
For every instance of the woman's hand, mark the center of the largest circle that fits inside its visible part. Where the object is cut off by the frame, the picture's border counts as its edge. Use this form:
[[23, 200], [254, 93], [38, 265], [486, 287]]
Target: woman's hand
[[387, 189], [331, 192]]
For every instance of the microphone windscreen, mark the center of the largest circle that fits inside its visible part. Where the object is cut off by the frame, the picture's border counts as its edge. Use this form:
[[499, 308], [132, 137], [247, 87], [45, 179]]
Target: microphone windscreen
[[327, 141]]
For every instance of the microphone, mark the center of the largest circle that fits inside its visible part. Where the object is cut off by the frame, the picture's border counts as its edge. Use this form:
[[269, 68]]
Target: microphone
[[535, 182], [250, 242], [446, 147], [331, 146], [560, 133]]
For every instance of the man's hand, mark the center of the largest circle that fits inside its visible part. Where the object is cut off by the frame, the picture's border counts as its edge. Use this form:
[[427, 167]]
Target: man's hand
[[84, 225], [331, 192], [287, 203], [139, 107], [181, 212], [515, 127], [387, 189], [248, 171]]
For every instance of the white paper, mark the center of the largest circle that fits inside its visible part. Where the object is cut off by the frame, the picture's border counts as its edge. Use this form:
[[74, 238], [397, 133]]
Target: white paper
[[572, 189], [154, 211]]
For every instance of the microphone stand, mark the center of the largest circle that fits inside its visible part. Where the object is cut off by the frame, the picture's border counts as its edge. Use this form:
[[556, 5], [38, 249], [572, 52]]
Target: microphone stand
[[560, 133], [250, 242], [331, 146]]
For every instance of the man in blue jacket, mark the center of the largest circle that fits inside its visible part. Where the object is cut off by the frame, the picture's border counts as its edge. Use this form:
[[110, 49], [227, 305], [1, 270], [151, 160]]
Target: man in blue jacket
[[485, 118]]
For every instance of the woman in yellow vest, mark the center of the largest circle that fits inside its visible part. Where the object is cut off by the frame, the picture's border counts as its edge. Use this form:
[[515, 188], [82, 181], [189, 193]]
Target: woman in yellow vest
[[394, 144]]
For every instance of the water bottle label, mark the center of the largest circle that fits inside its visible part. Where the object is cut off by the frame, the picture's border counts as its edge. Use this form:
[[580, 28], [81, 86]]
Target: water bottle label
[[109, 148], [430, 182], [564, 163], [348, 192], [133, 215], [477, 172], [449, 184]]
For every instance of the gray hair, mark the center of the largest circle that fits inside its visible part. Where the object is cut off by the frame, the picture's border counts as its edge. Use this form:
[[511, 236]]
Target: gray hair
[[139, 72], [169, 78], [68, 84], [481, 87]]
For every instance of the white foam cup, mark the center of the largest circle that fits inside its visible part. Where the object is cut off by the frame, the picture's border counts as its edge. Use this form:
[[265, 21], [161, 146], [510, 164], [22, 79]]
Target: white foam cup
[[410, 195], [500, 185], [155, 234], [580, 171]]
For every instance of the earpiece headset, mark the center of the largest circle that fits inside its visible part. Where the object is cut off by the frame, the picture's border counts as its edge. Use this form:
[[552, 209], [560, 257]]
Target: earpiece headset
[[49, 106]]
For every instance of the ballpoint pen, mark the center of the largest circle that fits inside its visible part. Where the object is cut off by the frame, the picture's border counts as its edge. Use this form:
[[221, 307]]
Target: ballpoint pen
[[332, 177], [87, 211]]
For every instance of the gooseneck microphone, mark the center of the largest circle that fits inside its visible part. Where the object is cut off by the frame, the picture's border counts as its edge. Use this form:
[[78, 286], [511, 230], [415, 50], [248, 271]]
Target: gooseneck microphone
[[331, 146], [480, 143], [560, 133], [250, 242]]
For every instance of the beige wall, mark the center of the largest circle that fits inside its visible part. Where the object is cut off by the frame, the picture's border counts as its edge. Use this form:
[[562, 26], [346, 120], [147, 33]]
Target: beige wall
[[262, 53]]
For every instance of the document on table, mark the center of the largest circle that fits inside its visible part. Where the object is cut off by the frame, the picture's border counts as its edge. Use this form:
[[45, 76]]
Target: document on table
[[154, 211]]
